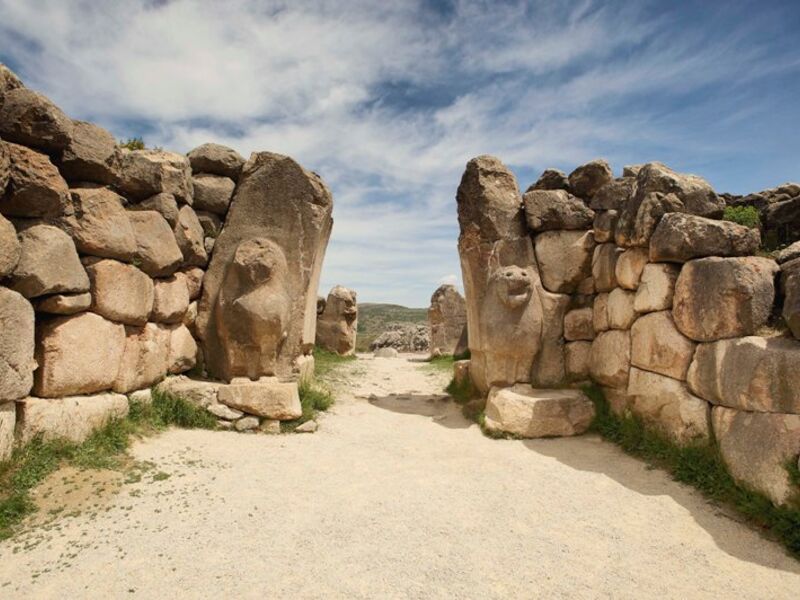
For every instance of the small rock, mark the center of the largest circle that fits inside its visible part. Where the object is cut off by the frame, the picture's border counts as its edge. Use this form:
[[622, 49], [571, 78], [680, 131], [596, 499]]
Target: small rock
[[271, 426], [307, 427], [224, 412], [246, 423]]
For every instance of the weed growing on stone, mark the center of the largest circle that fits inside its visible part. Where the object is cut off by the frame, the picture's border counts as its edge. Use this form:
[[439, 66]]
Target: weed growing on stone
[[440, 363], [325, 361], [701, 466], [313, 398]]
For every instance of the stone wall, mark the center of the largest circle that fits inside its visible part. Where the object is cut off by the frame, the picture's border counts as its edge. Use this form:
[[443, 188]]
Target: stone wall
[[103, 258], [675, 313]]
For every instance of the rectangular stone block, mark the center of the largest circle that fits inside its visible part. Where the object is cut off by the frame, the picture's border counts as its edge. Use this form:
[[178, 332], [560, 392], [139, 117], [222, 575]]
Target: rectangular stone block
[[73, 418], [266, 397]]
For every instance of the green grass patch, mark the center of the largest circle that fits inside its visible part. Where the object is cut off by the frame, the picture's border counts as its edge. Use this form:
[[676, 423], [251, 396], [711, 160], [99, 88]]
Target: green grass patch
[[701, 466], [325, 361], [313, 398], [134, 143], [440, 363], [743, 215], [105, 448]]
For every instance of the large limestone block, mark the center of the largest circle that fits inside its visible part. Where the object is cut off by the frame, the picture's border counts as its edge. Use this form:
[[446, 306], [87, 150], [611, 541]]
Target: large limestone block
[[9, 247], [182, 350], [338, 323], [447, 317], [551, 179], [658, 346], [157, 252], [605, 223], [621, 314], [257, 316], [71, 418], [527, 412], [718, 298], [587, 179], [791, 301], [48, 263], [640, 217], [27, 117], [666, 404], [164, 204], [604, 264], [565, 259], [556, 209], [656, 288], [197, 392], [217, 160], [63, 304], [750, 373], [680, 237], [171, 299], [789, 253], [579, 324], [35, 187], [212, 193], [629, 267], [549, 366], [91, 155], [577, 357], [120, 292], [144, 360], [614, 195], [600, 313], [144, 173], [266, 397], [99, 224], [79, 354], [756, 448], [16, 345], [695, 193], [8, 422], [8, 81], [611, 358], [189, 235]]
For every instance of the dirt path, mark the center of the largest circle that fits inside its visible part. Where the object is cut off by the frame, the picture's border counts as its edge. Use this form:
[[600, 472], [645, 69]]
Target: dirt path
[[394, 497]]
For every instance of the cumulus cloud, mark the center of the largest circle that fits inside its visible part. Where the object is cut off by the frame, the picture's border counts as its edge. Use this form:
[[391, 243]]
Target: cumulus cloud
[[387, 101]]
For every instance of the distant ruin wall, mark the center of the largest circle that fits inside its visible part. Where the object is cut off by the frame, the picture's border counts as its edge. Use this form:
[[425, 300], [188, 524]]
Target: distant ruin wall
[[682, 318]]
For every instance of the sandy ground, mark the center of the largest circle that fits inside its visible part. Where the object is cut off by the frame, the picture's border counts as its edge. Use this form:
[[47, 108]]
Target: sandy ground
[[396, 496]]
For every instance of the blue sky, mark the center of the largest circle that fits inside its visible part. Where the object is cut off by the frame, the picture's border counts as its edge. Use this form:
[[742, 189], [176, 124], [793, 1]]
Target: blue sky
[[389, 100]]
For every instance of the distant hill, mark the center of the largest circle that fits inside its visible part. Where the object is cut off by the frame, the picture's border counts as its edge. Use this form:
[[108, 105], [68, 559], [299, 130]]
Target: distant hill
[[374, 318]]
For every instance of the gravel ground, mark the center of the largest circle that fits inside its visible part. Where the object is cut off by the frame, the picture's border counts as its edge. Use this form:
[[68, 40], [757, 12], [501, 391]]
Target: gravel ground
[[396, 496]]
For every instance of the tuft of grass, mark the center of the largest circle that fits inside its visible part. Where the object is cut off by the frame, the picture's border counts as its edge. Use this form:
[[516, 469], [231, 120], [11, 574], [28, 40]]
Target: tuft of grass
[[700, 465], [326, 361], [313, 399], [440, 363], [105, 448], [134, 143], [743, 215], [462, 392]]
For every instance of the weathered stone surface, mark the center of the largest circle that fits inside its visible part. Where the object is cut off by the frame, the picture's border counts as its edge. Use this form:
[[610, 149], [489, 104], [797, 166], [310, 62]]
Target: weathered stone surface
[[224, 412], [386, 352], [144, 173], [577, 358], [212, 193], [565, 259], [208, 245], [621, 314], [182, 350], [143, 397], [217, 160], [16, 345], [63, 304], [658, 346], [9, 247], [789, 253], [194, 281], [695, 193], [750, 373], [614, 195], [5, 165], [63, 371], [164, 204], [680, 237], [266, 397], [600, 313], [618, 400], [530, 413], [719, 298], [556, 209], [281, 215], [120, 292], [144, 360], [447, 317], [48, 263], [631, 170], [35, 187], [630, 265], [656, 288], [190, 317], [611, 358], [639, 219], [666, 404], [27, 117], [587, 179], [189, 235], [171, 299], [157, 252], [246, 424], [404, 337], [211, 223], [579, 325], [551, 179], [70, 418], [338, 323], [8, 81], [604, 264], [461, 372], [8, 421], [549, 367], [604, 226], [307, 427], [99, 224], [199, 393], [790, 283], [90, 155], [756, 448]]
